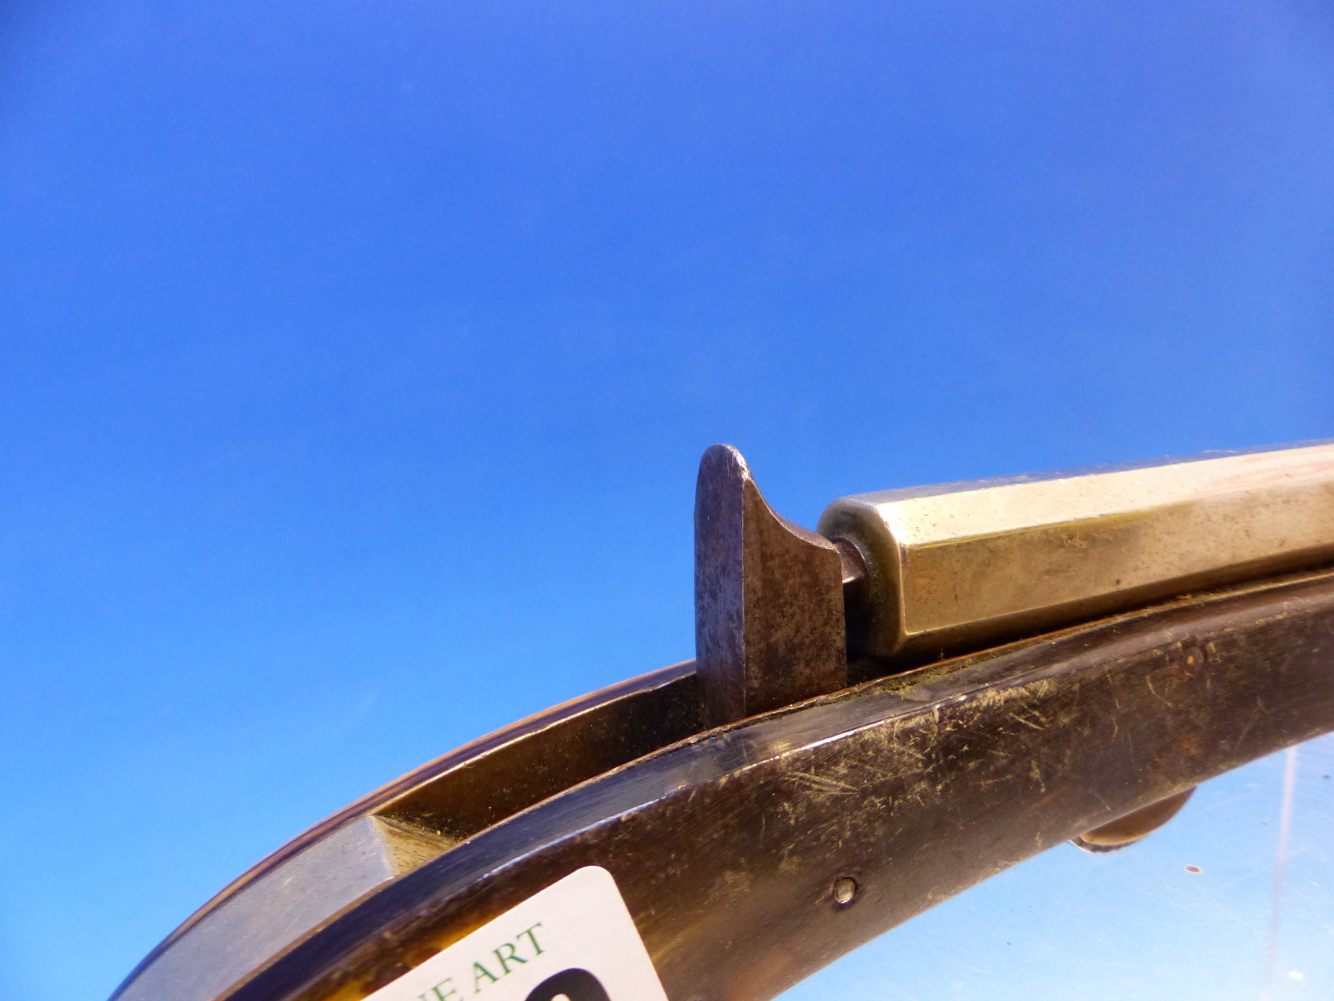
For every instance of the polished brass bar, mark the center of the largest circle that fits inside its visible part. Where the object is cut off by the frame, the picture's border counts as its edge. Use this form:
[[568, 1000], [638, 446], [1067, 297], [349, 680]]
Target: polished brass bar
[[965, 565]]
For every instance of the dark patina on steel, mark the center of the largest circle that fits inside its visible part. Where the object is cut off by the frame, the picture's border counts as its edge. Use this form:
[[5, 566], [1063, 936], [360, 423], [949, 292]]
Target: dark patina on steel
[[769, 621]]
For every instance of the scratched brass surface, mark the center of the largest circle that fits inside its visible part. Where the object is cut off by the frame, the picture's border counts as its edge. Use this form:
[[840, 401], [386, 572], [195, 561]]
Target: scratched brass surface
[[731, 847], [406, 824], [965, 565], [752, 855], [427, 856]]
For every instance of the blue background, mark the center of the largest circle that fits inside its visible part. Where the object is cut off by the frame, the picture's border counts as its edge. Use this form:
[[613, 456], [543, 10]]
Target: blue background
[[355, 357]]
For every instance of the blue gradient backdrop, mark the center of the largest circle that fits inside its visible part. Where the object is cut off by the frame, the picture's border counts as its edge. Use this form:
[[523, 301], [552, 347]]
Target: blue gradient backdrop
[[355, 357]]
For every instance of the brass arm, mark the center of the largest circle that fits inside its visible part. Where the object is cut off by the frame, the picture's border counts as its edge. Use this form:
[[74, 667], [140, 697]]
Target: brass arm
[[759, 816]]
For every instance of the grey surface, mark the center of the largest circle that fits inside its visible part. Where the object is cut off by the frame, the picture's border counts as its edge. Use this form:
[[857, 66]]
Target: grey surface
[[1136, 923], [280, 907]]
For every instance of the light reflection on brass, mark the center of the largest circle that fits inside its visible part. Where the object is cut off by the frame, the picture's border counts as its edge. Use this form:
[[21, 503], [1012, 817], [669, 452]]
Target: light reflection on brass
[[964, 565]]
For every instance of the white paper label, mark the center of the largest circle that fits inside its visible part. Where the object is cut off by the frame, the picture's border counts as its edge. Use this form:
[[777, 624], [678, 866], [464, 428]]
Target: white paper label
[[574, 941]]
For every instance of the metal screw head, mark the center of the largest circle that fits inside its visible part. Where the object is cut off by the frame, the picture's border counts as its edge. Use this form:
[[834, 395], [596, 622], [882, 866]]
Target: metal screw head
[[844, 890]]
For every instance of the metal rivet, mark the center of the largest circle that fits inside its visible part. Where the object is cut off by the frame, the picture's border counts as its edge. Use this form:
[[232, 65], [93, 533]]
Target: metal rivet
[[845, 889]]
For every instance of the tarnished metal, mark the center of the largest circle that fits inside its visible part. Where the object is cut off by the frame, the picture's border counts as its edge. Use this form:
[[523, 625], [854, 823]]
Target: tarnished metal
[[966, 565], [813, 816], [769, 625], [728, 846], [1126, 831], [407, 823]]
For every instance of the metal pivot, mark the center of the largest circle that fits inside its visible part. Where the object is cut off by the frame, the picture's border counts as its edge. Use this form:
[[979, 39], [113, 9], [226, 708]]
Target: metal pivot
[[769, 624], [1125, 831]]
